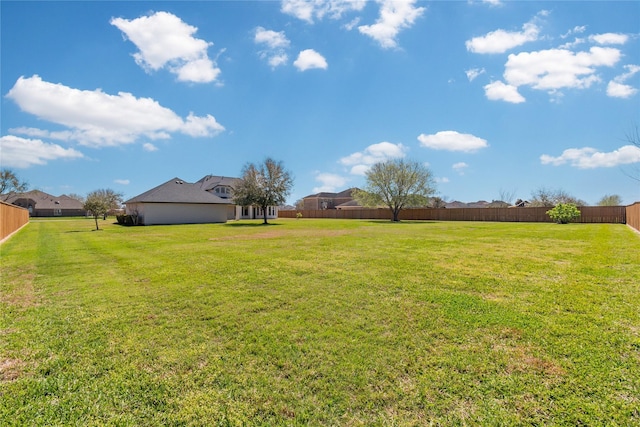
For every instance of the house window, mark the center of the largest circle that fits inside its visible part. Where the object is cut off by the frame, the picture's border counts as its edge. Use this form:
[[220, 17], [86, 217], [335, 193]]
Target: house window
[[245, 211]]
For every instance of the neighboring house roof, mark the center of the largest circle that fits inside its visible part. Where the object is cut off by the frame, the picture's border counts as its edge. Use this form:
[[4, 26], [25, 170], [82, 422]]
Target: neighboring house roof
[[47, 201], [210, 182], [177, 190], [349, 204], [521, 203], [327, 195]]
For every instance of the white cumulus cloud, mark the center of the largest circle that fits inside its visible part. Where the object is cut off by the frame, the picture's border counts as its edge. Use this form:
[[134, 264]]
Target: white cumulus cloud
[[498, 91], [452, 141], [609, 38], [308, 10], [275, 45], [617, 87], [94, 118], [329, 182], [395, 15], [500, 41], [460, 167], [270, 38], [551, 70], [122, 181], [558, 68], [620, 90], [590, 158], [147, 146], [20, 152], [309, 59], [164, 40], [64, 135], [361, 161]]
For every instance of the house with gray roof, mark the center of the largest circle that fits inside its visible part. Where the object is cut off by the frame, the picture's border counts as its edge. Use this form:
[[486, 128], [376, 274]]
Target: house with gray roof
[[41, 204], [209, 200], [326, 200]]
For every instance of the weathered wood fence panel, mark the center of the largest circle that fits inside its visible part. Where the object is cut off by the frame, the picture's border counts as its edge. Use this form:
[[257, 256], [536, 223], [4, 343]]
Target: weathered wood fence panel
[[633, 215], [12, 218], [589, 214]]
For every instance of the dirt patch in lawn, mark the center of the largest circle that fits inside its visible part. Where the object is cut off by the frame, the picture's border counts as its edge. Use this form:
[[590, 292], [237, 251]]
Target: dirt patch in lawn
[[10, 369], [22, 292]]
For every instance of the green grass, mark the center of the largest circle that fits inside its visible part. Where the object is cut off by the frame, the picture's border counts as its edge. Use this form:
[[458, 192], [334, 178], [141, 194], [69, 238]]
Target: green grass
[[320, 322]]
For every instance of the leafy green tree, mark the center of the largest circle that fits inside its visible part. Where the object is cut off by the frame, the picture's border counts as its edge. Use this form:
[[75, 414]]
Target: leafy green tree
[[263, 185], [610, 200], [564, 213], [10, 184], [100, 202], [397, 184]]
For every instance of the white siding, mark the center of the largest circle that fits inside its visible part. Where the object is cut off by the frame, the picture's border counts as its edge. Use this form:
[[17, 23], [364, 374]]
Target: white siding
[[254, 212], [179, 213]]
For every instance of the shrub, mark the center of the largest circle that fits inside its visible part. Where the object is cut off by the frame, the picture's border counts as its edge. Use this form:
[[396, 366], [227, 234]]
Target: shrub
[[298, 215], [564, 213], [127, 219]]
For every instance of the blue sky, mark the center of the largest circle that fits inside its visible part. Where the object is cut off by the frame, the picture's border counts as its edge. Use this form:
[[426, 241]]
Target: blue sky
[[496, 97]]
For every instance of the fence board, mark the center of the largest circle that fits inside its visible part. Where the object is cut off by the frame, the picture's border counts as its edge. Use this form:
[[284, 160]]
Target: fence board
[[589, 214], [633, 215], [12, 218]]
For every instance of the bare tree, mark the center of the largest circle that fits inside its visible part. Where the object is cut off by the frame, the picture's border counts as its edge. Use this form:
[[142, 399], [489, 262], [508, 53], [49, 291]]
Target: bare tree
[[437, 202], [550, 198], [397, 184], [507, 196], [10, 184], [633, 138], [77, 197]]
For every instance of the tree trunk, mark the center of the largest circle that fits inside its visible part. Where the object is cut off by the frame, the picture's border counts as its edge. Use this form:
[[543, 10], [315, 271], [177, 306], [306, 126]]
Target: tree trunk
[[396, 214], [96, 218], [264, 213]]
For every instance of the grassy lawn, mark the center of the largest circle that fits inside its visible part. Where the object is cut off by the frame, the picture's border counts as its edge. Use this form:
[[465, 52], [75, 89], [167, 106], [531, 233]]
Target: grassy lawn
[[320, 322]]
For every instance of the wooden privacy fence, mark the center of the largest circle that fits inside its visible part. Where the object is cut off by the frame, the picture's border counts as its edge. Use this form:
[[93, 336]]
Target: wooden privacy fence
[[588, 214], [12, 218], [633, 215]]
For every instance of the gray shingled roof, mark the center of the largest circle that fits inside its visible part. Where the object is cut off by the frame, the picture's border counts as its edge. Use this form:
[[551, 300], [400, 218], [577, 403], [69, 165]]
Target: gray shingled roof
[[177, 190], [211, 181], [47, 201], [344, 193]]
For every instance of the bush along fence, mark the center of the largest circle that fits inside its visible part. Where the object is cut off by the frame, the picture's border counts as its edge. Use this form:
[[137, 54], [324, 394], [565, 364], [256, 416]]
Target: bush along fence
[[588, 214], [12, 219]]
